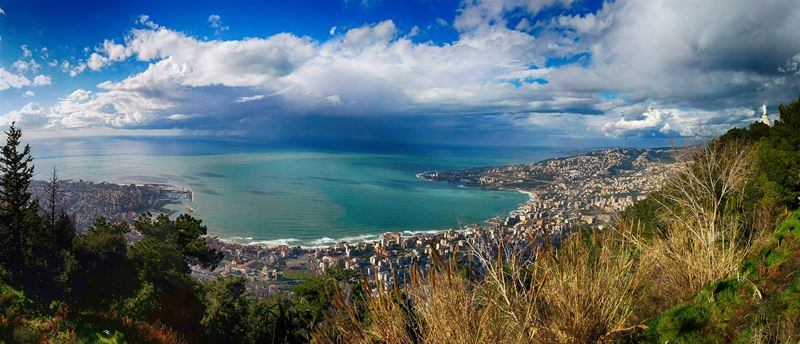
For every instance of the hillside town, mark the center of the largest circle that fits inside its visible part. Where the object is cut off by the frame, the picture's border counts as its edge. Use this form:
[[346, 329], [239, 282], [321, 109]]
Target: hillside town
[[564, 193], [585, 188], [87, 201]]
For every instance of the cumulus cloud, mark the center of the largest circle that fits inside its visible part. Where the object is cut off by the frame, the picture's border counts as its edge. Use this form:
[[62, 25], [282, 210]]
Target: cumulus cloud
[[73, 69], [682, 52], [30, 116], [42, 80], [11, 80], [77, 68], [678, 123], [22, 65], [630, 69], [484, 13], [28, 94], [365, 71], [110, 52]]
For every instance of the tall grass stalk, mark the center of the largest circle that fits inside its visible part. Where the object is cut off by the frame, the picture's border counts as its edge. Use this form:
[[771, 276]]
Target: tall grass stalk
[[708, 234]]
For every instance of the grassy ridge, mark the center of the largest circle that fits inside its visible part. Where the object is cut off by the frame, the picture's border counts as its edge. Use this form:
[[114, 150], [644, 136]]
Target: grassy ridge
[[762, 302]]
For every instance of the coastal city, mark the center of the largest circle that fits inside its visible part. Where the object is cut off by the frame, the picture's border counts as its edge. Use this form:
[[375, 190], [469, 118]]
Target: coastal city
[[582, 190], [86, 201], [564, 193]]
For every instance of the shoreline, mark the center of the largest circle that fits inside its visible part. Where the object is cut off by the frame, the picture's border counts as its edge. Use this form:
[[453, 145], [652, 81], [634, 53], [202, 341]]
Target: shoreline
[[324, 242], [328, 242]]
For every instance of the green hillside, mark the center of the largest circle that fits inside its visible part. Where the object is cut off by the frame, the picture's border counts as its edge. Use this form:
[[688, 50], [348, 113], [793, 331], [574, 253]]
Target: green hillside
[[762, 302]]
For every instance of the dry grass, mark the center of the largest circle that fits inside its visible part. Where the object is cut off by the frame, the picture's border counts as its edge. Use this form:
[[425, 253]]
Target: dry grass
[[579, 293], [593, 288], [708, 236], [590, 293]]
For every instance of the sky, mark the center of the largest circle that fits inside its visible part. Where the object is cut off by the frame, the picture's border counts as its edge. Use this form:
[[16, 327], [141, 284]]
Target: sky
[[500, 73]]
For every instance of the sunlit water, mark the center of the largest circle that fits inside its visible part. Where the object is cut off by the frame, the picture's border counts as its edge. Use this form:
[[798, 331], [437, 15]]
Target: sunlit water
[[249, 194]]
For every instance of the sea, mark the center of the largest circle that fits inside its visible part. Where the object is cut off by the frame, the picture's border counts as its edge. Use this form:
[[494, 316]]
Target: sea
[[300, 194]]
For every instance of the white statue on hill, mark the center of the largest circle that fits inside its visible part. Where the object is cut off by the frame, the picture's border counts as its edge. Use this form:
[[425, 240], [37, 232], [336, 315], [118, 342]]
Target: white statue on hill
[[764, 116]]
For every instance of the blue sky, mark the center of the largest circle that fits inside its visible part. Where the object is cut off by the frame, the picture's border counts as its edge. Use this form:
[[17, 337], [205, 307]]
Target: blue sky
[[510, 72]]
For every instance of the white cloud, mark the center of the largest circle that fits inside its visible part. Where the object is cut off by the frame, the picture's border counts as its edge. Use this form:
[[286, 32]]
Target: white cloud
[[30, 116], [334, 99], [792, 65], [2, 12], [96, 61], [523, 25], [25, 51], [475, 14], [178, 117], [370, 66], [678, 122], [108, 53], [11, 80], [79, 95], [83, 108], [28, 94], [415, 30], [676, 51], [77, 69], [20, 66], [332, 31], [42, 80], [599, 71], [245, 99], [215, 21], [145, 20]]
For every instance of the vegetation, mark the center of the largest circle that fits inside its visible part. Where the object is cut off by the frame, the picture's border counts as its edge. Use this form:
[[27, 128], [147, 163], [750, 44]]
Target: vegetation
[[759, 304], [712, 257], [698, 261], [101, 285]]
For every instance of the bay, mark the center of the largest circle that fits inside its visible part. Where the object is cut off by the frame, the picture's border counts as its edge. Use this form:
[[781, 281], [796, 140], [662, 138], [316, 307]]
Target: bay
[[252, 192]]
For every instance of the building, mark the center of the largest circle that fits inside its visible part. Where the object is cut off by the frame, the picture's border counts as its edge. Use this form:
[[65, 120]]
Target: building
[[764, 116]]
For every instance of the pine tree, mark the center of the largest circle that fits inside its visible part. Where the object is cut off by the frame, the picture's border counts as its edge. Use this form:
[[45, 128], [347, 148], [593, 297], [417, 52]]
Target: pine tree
[[15, 200], [52, 235], [53, 199]]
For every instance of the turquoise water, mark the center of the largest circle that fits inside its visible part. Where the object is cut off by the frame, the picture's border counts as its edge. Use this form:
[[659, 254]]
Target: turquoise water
[[296, 197]]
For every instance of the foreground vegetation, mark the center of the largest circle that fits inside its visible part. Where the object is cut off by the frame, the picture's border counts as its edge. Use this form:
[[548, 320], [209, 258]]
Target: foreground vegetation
[[712, 257]]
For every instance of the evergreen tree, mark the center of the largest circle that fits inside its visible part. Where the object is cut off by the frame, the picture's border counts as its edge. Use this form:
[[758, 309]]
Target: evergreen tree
[[53, 199], [16, 208], [51, 239], [101, 273], [226, 309]]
